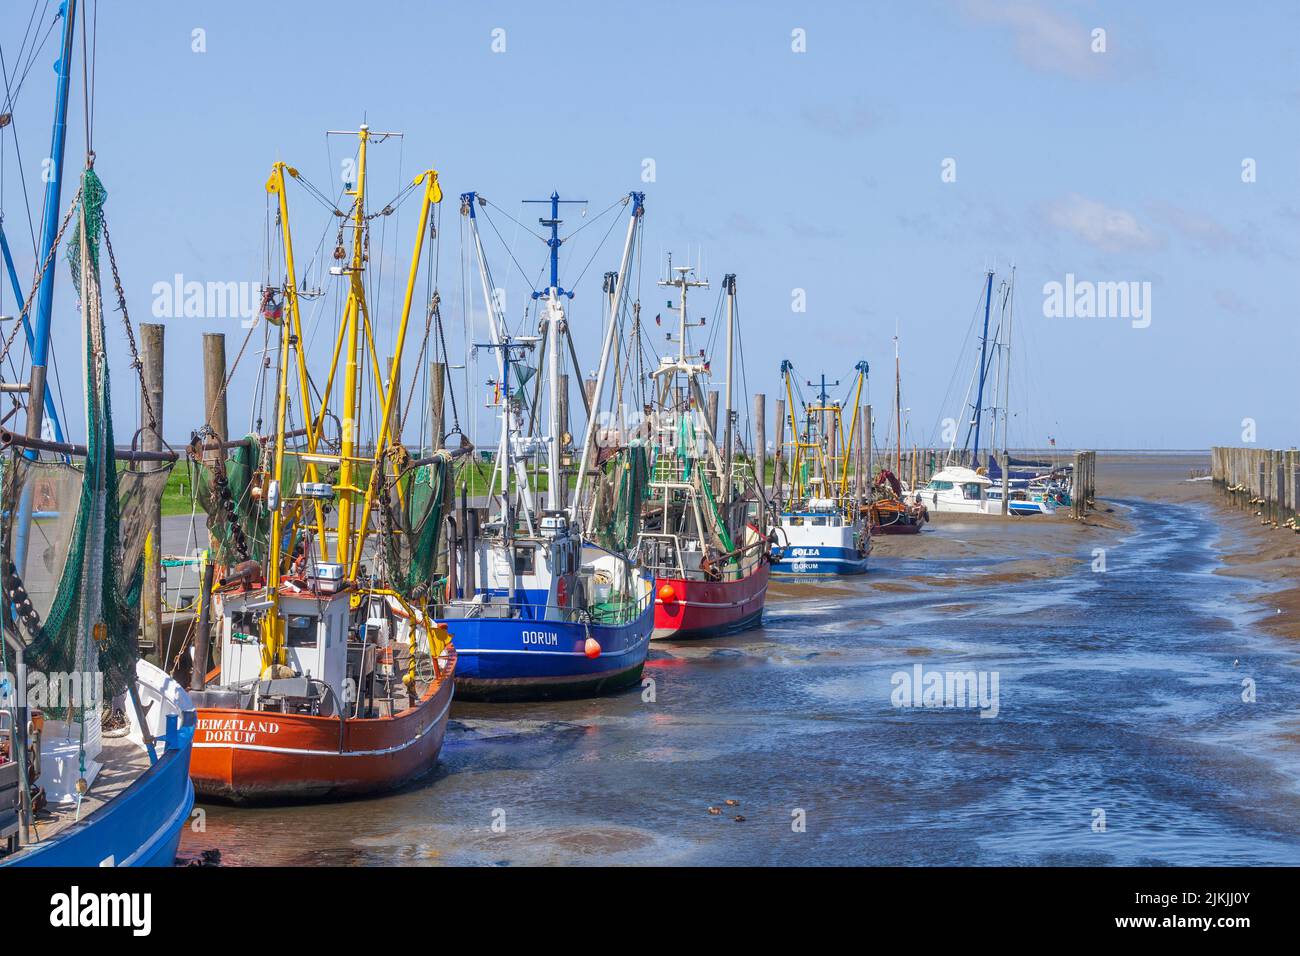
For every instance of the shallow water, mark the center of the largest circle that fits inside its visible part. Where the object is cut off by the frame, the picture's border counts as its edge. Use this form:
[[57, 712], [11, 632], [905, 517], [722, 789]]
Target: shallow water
[[1117, 692]]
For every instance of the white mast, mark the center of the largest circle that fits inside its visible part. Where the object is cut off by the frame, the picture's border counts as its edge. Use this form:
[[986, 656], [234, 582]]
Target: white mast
[[638, 207]]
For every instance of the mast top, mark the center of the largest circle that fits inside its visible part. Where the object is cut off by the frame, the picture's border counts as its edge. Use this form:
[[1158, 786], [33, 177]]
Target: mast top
[[554, 243]]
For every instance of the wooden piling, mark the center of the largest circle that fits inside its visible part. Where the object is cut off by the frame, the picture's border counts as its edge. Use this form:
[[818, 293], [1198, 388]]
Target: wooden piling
[[214, 385], [151, 357], [437, 402]]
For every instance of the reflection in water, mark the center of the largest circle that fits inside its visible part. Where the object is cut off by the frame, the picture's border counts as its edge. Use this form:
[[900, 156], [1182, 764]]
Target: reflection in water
[[1118, 697]]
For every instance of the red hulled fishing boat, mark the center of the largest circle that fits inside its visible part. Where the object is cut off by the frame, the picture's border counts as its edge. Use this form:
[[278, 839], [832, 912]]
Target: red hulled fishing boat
[[704, 524]]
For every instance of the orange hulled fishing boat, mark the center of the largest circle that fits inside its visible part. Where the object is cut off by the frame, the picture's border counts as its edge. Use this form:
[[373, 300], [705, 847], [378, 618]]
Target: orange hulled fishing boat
[[333, 677]]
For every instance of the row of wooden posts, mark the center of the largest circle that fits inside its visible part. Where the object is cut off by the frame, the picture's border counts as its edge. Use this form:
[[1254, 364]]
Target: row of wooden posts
[[1262, 481]]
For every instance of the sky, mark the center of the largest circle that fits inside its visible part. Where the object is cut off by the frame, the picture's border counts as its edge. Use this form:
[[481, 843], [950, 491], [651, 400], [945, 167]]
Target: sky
[[870, 160]]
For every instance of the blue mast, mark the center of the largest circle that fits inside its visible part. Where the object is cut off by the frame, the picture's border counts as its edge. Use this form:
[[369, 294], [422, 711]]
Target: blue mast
[[45, 299], [984, 349], [555, 241], [50, 411], [53, 198]]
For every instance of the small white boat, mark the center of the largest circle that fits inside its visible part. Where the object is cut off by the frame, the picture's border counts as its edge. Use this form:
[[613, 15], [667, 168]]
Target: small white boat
[[1021, 502], [960, 490]]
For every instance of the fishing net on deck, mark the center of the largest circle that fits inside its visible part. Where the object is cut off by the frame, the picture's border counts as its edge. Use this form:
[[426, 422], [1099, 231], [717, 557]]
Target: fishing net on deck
[[411, 534], [72, 531], [231, 492], [623, 485]]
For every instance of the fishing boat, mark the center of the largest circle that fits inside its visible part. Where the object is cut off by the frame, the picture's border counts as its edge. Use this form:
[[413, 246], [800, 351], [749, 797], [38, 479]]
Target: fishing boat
[[821, 528], [94, 741], [73, 791], [333, 678], [704, 527], [545, 599]]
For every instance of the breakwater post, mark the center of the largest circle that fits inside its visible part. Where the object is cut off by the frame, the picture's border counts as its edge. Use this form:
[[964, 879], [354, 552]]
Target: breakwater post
[[1263, 482]]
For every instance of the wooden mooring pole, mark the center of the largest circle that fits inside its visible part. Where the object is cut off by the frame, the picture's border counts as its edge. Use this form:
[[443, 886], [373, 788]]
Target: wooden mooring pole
[[151, 357]]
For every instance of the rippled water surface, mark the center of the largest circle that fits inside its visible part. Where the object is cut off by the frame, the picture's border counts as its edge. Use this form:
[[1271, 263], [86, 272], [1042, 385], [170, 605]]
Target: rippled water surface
[[1118, 692]]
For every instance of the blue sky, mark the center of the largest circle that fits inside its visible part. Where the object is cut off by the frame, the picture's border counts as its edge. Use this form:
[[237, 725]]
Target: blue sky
[[818, 170]]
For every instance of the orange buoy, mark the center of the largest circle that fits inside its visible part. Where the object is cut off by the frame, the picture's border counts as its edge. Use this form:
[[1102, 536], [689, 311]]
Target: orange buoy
[[667, 594], [593, 647]]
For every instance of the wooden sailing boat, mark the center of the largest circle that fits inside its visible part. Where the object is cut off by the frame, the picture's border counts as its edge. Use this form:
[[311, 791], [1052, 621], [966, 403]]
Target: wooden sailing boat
[[334, 678], [704, 529], [888, 509]]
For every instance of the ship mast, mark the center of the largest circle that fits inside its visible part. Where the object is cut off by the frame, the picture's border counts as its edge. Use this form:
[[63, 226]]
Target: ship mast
[[555, 326], [898, 411]]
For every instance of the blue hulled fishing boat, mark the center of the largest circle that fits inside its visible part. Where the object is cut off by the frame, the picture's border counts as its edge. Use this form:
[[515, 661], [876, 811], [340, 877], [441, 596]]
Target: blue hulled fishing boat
[[821, 530], [544, 599]]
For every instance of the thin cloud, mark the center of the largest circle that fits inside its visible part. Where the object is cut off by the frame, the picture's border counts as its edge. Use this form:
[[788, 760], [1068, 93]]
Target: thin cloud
[[1046, 39], [841, 122], [1229, 301], [1110, 229]]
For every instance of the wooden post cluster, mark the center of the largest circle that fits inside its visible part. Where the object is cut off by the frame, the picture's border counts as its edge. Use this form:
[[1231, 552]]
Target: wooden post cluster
[[1262, 481], [1083, 489]]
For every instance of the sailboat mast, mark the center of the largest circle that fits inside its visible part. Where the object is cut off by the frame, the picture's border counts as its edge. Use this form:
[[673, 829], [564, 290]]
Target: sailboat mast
[[984, 351], [1006, 383], [898, 411]]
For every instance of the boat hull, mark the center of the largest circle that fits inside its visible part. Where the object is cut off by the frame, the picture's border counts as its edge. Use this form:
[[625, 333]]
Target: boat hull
[[703, 609], [504, 659], [818, 560], [243, 756], [142, 825]]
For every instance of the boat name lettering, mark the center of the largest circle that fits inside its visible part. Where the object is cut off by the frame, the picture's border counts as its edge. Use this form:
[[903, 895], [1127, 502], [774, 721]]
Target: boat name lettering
[[235, 730], [548, 638]]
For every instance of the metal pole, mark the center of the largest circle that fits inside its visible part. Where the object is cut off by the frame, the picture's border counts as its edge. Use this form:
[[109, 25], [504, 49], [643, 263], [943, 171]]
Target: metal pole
[[760, 441], [779, 451]]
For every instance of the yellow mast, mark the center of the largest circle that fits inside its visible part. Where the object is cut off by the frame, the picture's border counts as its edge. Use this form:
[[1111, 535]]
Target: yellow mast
[[432, 195], [356, 296], [276, 185]]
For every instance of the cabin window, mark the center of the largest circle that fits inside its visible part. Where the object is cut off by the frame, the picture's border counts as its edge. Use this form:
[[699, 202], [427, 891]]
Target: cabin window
[[300, 630], [525, 560], [244, 627], [941, 486], [819, 522], [971, 490]]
